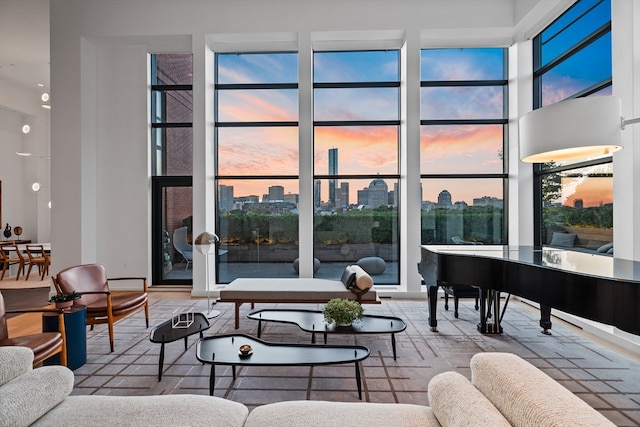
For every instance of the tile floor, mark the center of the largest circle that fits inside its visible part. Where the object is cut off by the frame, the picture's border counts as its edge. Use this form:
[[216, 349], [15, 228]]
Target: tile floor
[[606, 378]]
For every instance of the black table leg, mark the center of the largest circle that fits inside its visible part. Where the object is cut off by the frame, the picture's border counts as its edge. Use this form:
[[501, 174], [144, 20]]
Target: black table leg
[[185, 343], [358, 380], [233, 371], [161, 362], [393, 345], [259, 327], [212, 379]]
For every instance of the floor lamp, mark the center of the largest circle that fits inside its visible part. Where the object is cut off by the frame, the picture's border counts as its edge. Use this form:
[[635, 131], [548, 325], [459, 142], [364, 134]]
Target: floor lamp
[[206, 243]]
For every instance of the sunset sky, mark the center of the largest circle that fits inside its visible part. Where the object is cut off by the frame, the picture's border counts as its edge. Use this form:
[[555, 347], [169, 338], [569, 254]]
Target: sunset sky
[[456, 149]]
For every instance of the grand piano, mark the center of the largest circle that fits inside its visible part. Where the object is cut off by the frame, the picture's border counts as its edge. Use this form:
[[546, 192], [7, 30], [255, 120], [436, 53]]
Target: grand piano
[[594, 287]]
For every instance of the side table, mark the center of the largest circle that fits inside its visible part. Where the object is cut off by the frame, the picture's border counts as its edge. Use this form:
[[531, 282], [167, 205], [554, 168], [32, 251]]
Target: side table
[[75, 325]]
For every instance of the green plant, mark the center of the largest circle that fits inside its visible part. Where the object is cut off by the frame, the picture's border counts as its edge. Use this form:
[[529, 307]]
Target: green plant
[[342, 311], [65, 297]]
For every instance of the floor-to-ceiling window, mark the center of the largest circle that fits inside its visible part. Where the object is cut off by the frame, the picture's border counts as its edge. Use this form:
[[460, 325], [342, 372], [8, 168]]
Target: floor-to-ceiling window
[[463, 118], [257, 179], [574, 200], [356, 118], [172, 167]]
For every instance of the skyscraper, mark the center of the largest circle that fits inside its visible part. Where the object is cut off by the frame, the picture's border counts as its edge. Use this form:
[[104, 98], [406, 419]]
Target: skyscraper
[[378, 193], [444, 199], [317, 187], [276, 193], [225, 197], [333, 170]]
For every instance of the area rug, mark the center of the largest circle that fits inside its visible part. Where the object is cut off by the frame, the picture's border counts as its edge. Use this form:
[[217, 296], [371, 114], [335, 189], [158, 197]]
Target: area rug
[[606, 379]]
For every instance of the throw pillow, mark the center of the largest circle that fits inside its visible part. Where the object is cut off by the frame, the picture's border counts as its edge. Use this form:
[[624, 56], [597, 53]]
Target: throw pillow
[[363, 280], [563, 239], [604, 248], [348, 277]]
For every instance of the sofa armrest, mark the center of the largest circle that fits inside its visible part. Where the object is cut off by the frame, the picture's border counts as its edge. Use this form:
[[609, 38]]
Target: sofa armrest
[[526, 396], [33, 394], [456, 402], [14, 361]]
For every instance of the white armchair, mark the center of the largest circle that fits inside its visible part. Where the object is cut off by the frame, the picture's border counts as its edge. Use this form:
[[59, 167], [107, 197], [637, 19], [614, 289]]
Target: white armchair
[[181, 245]]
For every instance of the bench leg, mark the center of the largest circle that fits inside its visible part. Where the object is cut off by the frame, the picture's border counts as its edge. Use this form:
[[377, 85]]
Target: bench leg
[[238, 304]]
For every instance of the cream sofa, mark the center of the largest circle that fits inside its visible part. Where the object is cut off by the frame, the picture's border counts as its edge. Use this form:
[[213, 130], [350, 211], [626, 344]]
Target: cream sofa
[[505, 390]]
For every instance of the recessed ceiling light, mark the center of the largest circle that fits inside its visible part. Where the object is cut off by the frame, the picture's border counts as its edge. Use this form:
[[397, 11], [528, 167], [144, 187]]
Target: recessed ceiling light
[[39, 85], [47, 106], [45, 97], [23, 154], [26, 129]]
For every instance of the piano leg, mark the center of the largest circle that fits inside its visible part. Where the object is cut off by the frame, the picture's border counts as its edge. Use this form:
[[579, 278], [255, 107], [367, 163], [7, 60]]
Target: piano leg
[[489, 309], [432, 299], [545, 319]]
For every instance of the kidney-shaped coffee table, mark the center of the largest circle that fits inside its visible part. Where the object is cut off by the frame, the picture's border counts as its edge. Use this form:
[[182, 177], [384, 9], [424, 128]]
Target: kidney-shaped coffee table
[[313, 321], [225, 350], [180, 326]]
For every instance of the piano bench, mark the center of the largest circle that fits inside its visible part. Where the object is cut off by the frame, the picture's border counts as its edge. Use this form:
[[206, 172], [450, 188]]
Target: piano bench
[[459, 292]]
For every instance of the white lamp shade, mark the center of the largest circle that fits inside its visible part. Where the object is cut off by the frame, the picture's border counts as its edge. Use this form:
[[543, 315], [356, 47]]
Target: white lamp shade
[[206, 242], [574, 129]]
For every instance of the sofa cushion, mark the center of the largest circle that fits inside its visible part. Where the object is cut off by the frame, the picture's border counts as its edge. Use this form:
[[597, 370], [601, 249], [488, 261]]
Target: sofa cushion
[[566, 240], [157, 411], [331, 414], [14, 361], [526, 396], [456, 402], [31, 395]]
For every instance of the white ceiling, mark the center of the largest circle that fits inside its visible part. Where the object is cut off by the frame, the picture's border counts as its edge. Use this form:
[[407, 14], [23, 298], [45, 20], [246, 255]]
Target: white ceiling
[[24, 38], [24, 42]]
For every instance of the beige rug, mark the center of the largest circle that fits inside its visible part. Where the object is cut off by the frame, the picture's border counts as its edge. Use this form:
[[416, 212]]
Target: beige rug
[[33, 282]]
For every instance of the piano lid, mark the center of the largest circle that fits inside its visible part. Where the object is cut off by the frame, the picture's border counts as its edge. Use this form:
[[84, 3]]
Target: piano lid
[[580, 262]]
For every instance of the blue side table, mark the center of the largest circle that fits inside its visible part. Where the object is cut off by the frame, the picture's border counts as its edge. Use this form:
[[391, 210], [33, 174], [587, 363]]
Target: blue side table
[[75, 326]]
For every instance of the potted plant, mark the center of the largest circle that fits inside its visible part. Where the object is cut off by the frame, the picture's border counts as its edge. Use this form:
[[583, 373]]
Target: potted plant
[[342, 311], [65, 301]]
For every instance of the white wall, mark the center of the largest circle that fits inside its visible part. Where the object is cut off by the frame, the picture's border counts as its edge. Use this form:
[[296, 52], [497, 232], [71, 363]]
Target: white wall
[[99, 139], [20, 205]]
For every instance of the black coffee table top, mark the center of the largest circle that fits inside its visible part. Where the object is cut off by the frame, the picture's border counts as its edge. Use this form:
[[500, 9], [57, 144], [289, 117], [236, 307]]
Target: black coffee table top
[[224, 350], [313, 321], [165, 332]]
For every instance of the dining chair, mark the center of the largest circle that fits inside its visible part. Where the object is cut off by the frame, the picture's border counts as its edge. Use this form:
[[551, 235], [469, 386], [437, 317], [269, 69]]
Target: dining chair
[[103, 305], [45, 344], [7, 260], [38, 256]]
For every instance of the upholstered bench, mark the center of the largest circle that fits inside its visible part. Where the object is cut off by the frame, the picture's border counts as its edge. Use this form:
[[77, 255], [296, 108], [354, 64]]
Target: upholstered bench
[[354, 284]]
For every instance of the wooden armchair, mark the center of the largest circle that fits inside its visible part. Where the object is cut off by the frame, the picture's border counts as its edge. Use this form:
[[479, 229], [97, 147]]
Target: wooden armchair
[[103, 306], [45, 344]]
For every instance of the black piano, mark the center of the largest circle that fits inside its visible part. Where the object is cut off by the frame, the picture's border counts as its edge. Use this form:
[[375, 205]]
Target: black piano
[[595, 287]]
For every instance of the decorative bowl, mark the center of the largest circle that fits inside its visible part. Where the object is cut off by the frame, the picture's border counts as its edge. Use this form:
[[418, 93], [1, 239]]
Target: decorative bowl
[[245, 349]]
